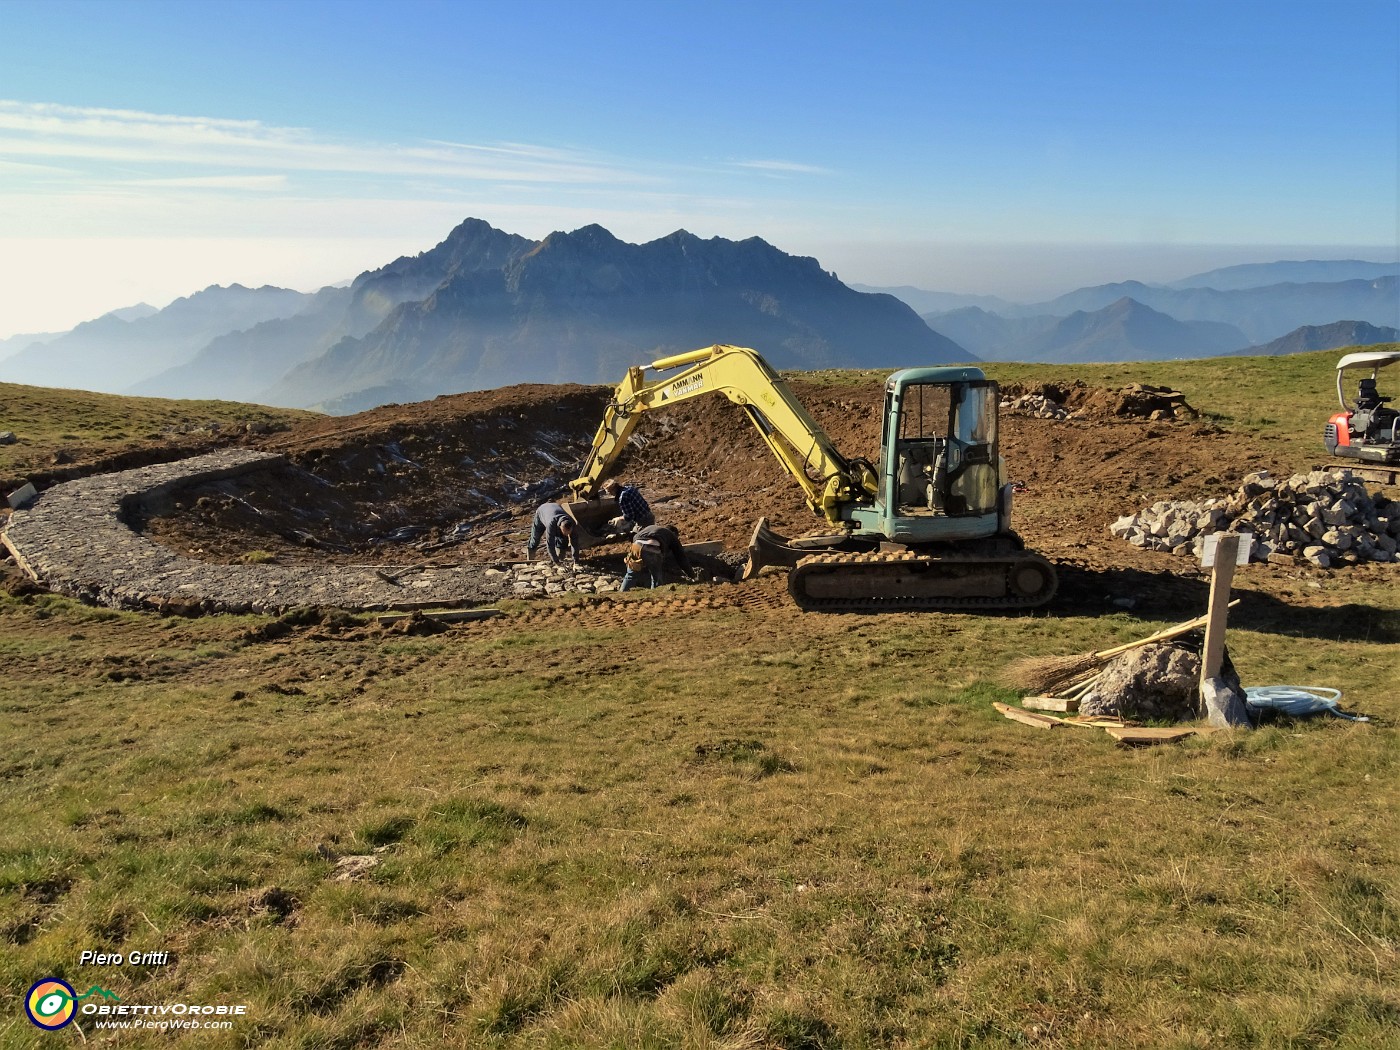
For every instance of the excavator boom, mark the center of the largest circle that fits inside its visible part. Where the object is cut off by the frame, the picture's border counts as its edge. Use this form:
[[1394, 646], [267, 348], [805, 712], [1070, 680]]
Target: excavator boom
[[828, 480]]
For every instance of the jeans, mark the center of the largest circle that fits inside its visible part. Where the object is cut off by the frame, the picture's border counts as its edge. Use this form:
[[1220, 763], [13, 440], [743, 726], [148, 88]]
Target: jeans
[[652, 566], [537, 533]]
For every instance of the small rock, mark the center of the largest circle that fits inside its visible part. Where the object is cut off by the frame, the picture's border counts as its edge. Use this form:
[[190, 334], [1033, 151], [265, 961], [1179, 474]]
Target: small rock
[[348, 869], [1317, 556]]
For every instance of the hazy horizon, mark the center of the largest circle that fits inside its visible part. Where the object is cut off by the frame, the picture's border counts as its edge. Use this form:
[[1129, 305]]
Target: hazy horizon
[[1017, 148], [1024, 273]]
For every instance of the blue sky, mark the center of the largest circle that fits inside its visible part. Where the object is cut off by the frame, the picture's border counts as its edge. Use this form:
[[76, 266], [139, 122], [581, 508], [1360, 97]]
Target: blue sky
[[1021, 147]]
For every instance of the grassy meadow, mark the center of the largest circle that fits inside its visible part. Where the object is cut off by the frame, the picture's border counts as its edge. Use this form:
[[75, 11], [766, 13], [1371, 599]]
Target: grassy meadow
[[711, 828], [46, 420]]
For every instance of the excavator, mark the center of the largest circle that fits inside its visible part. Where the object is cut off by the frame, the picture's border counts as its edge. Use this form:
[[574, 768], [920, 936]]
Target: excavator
[[926, 526], [1366, 432]]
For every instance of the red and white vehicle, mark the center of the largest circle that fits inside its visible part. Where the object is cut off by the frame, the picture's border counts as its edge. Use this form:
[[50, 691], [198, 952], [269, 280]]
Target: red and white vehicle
[[1366, 428]]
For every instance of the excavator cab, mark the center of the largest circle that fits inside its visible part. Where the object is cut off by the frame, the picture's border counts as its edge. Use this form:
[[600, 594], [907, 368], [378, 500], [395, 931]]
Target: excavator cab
[[940, 470]]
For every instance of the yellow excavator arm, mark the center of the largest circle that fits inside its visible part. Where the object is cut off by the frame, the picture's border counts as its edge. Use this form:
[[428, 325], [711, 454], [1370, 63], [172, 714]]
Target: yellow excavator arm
[[828, 480]]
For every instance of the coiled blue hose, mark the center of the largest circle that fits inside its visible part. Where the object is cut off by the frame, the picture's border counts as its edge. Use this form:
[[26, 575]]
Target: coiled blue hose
[[1297, 701]]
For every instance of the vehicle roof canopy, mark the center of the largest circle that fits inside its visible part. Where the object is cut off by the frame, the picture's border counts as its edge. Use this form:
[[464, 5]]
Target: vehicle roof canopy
[[1369, 359]]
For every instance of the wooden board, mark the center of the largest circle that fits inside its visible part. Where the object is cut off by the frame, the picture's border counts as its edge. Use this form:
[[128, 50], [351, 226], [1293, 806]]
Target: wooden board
[[707, 548], [1029, 718], [1050, 703], [1137, 735], [445, 615]]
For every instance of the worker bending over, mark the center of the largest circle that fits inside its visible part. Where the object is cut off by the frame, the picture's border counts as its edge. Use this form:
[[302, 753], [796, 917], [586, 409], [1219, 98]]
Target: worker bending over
[[553, 524], [646, 557]]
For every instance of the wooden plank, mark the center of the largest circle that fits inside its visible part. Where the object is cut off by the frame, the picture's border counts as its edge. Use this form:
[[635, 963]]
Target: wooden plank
[[1137, 735], [445, 615], [1050, 703], [1092, 722], [1029, 718], [706, 548]]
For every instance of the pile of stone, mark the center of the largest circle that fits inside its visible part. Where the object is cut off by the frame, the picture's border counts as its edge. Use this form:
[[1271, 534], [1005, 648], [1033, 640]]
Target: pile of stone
[[544, 579], [1152, 402], [1036, 405], [1327, 518]]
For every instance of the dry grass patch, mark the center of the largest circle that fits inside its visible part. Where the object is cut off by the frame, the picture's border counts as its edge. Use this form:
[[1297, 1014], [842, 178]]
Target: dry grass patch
[[580, 838]]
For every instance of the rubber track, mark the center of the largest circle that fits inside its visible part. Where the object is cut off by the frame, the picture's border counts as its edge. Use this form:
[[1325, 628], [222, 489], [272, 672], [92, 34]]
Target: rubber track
[[853, 565]]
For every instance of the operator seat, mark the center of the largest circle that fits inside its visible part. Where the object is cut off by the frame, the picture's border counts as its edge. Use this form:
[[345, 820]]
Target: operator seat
[[1372, 420], [1368, 397], [918, 467]]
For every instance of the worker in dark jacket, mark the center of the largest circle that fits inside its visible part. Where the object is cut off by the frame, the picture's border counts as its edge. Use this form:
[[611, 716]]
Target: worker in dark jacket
[[553, 524], [646, 557], [634, 513]]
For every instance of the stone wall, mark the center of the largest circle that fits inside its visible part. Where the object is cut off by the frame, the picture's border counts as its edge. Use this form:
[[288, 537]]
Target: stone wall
[[75, 539]]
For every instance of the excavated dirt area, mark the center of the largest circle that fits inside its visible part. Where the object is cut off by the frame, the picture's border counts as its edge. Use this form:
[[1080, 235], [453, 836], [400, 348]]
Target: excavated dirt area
[[456, 480]]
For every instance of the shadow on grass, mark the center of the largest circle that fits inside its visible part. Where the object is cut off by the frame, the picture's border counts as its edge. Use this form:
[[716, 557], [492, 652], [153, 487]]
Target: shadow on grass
[[1088, 592]]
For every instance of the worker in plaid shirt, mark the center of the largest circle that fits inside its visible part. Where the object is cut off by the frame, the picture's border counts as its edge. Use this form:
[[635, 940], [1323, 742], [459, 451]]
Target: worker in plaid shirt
[[635, 514]]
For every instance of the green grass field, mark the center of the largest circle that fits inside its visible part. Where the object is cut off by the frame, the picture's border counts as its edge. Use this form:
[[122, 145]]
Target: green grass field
[[45, 420], [710, 829]]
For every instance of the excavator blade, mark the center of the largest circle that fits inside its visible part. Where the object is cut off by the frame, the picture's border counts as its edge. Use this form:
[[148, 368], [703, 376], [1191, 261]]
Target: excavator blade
[[766, 548]]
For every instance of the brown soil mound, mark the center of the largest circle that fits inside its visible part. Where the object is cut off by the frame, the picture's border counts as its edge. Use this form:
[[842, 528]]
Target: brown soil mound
[[1136, 401], [456, 480]]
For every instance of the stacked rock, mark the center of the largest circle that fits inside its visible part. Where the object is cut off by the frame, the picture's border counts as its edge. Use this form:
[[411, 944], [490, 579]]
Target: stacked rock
[[1328, 518], [1037, 405], [544, 579]]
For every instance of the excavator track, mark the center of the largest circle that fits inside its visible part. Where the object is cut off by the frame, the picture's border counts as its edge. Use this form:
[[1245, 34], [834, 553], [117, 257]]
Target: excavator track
[[913, 581]]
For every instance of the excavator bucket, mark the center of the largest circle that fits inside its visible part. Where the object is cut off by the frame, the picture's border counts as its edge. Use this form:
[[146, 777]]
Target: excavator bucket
[[592, 517]]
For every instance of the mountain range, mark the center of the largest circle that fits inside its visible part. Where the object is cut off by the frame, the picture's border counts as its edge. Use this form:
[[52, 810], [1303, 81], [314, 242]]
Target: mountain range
[[1260, 313], [1124, 330], [486, 308], [584, 306], [117, 349]]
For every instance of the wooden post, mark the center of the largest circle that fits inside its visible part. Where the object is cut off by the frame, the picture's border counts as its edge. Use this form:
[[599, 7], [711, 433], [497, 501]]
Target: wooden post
[[1222, 705], [1222, 573]]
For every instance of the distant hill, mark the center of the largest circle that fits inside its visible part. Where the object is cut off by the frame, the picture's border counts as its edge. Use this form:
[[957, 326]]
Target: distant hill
[[926, 302], [15, 343], [1261, 314], [1125, 330], [989, 335], [132, 313], [1324, 337], [584, 306], [12, 345], [1313, 271], [111, 354], [239, 365]]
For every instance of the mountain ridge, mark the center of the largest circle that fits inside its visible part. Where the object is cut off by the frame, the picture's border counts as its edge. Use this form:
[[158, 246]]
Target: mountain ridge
[[111, 354], [583, 306]]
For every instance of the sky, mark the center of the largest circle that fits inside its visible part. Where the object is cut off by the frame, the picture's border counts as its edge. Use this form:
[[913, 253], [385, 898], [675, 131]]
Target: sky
[[1020, 148]]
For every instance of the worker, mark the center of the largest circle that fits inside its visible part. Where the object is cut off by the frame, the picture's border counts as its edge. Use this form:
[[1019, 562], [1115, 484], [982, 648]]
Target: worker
[[647, 555], [553, 524], [635, 513]]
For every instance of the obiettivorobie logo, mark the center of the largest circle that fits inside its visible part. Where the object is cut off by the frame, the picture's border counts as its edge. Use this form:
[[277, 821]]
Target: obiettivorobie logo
[[52, 1003]]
